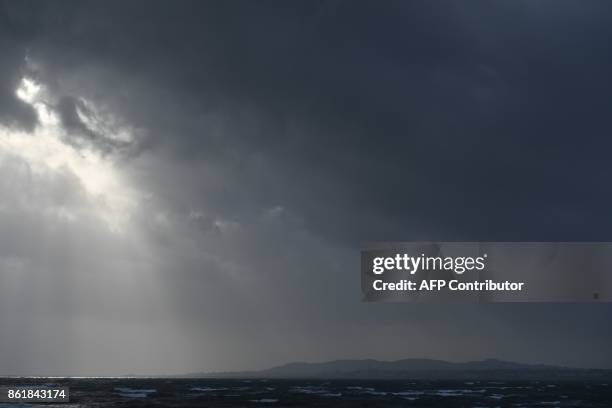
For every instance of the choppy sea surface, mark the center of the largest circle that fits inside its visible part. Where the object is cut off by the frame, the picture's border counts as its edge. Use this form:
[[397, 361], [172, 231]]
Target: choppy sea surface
[[122, 392]]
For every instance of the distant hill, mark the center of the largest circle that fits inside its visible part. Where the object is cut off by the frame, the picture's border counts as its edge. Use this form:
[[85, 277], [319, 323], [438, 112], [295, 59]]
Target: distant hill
[[415, 369]]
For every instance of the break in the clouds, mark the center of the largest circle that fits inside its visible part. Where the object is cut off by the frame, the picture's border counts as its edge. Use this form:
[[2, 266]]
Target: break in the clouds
[[184, 186]]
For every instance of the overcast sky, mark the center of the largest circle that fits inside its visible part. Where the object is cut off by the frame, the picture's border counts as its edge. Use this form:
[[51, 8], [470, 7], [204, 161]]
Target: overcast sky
[[184, 186]]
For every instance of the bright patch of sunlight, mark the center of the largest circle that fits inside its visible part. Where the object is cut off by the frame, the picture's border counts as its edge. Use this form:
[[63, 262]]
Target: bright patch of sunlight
[[45, 149]]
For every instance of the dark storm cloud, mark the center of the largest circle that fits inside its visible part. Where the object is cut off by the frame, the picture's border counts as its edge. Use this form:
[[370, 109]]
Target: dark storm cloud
[[401, 106], [286, 133], [12, 110], [68, 109]]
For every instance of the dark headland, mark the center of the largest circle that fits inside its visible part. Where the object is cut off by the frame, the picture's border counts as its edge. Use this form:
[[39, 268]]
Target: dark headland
[[487, 369]]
